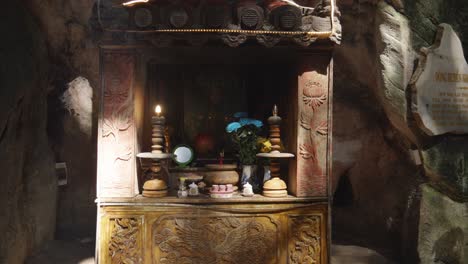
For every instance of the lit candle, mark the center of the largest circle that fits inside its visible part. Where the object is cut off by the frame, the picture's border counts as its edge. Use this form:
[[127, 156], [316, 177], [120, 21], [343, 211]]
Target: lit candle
[[158, 110], [157, 135], [158, 117]]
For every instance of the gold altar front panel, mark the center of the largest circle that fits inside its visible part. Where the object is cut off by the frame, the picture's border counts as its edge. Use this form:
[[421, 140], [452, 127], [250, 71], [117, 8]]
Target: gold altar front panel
[[215, 233]]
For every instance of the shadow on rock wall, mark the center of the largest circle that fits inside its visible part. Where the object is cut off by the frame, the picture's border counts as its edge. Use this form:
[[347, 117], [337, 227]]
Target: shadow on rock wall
[[28, 185], [73, 55]]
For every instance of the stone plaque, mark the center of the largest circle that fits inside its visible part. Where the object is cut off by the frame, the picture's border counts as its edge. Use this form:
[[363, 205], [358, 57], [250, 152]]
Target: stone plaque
[[440, 86]]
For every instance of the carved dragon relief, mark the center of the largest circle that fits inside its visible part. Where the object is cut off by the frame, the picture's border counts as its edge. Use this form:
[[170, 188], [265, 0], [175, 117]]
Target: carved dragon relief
[[222, 240], [305, 239], [124, 243]]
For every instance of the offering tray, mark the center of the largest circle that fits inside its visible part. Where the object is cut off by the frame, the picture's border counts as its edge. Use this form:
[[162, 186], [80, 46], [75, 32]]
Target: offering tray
[[155, 156], [275, 155]]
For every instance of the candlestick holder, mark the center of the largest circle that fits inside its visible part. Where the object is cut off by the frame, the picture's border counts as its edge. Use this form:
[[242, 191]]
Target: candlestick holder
[[275, 187], [155, 186]]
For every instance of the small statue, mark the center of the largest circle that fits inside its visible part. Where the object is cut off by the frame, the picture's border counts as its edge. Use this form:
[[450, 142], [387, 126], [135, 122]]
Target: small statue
[[248, 190]]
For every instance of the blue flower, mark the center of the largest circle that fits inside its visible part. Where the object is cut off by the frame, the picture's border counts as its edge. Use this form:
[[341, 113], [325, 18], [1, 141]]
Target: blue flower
[[233, 127], [240, 115], [250, 121]]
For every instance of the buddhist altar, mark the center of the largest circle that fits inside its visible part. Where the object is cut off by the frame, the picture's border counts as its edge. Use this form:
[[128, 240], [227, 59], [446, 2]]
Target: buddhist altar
[[200, 62]]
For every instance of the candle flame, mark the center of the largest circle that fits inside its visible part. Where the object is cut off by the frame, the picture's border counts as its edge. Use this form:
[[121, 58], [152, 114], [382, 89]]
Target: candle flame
[[158, 109], [132, 2]]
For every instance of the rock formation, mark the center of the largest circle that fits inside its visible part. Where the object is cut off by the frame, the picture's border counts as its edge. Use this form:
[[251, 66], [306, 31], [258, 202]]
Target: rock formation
[[28, 185]]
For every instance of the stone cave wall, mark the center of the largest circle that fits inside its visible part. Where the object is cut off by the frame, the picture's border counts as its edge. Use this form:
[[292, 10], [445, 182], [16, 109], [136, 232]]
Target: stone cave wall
[[376, 173], [28, 185], [49, 76], [73, 104]]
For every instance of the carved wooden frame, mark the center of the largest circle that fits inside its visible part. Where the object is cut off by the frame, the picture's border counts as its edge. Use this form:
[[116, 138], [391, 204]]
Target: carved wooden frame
[[294, 230]]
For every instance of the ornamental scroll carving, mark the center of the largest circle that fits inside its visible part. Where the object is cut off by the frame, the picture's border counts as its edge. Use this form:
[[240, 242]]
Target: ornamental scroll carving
[[215, 240], [124, 243], [234, 40], [116, 142], [312, 145], [305, 239]]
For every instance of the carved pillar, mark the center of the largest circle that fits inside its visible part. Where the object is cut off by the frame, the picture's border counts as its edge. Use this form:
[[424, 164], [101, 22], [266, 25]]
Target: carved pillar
[[117, 132], [310, 171]]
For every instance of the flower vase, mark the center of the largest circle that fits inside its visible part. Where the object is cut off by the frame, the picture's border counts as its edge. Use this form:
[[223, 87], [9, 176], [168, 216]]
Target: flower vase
[[249, 173]]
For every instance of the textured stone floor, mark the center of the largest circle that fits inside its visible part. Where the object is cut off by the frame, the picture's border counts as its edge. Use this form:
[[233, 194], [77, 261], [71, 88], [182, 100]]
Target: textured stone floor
[[76, 252], [65, 252]]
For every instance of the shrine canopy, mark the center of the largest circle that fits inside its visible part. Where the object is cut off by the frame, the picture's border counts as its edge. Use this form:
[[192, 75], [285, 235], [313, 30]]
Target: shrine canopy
[[233, 22]]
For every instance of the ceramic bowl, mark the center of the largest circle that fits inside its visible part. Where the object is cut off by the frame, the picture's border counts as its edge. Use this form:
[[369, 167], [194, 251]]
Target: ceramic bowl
[[221, 174]]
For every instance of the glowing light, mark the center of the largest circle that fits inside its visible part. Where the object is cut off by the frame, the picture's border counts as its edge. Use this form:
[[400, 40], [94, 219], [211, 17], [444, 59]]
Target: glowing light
[[132, 2], [158, 110]]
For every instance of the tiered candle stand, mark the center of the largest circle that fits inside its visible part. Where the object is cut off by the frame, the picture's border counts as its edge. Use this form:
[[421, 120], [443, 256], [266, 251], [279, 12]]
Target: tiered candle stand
[[275, 187], [155, 186]]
